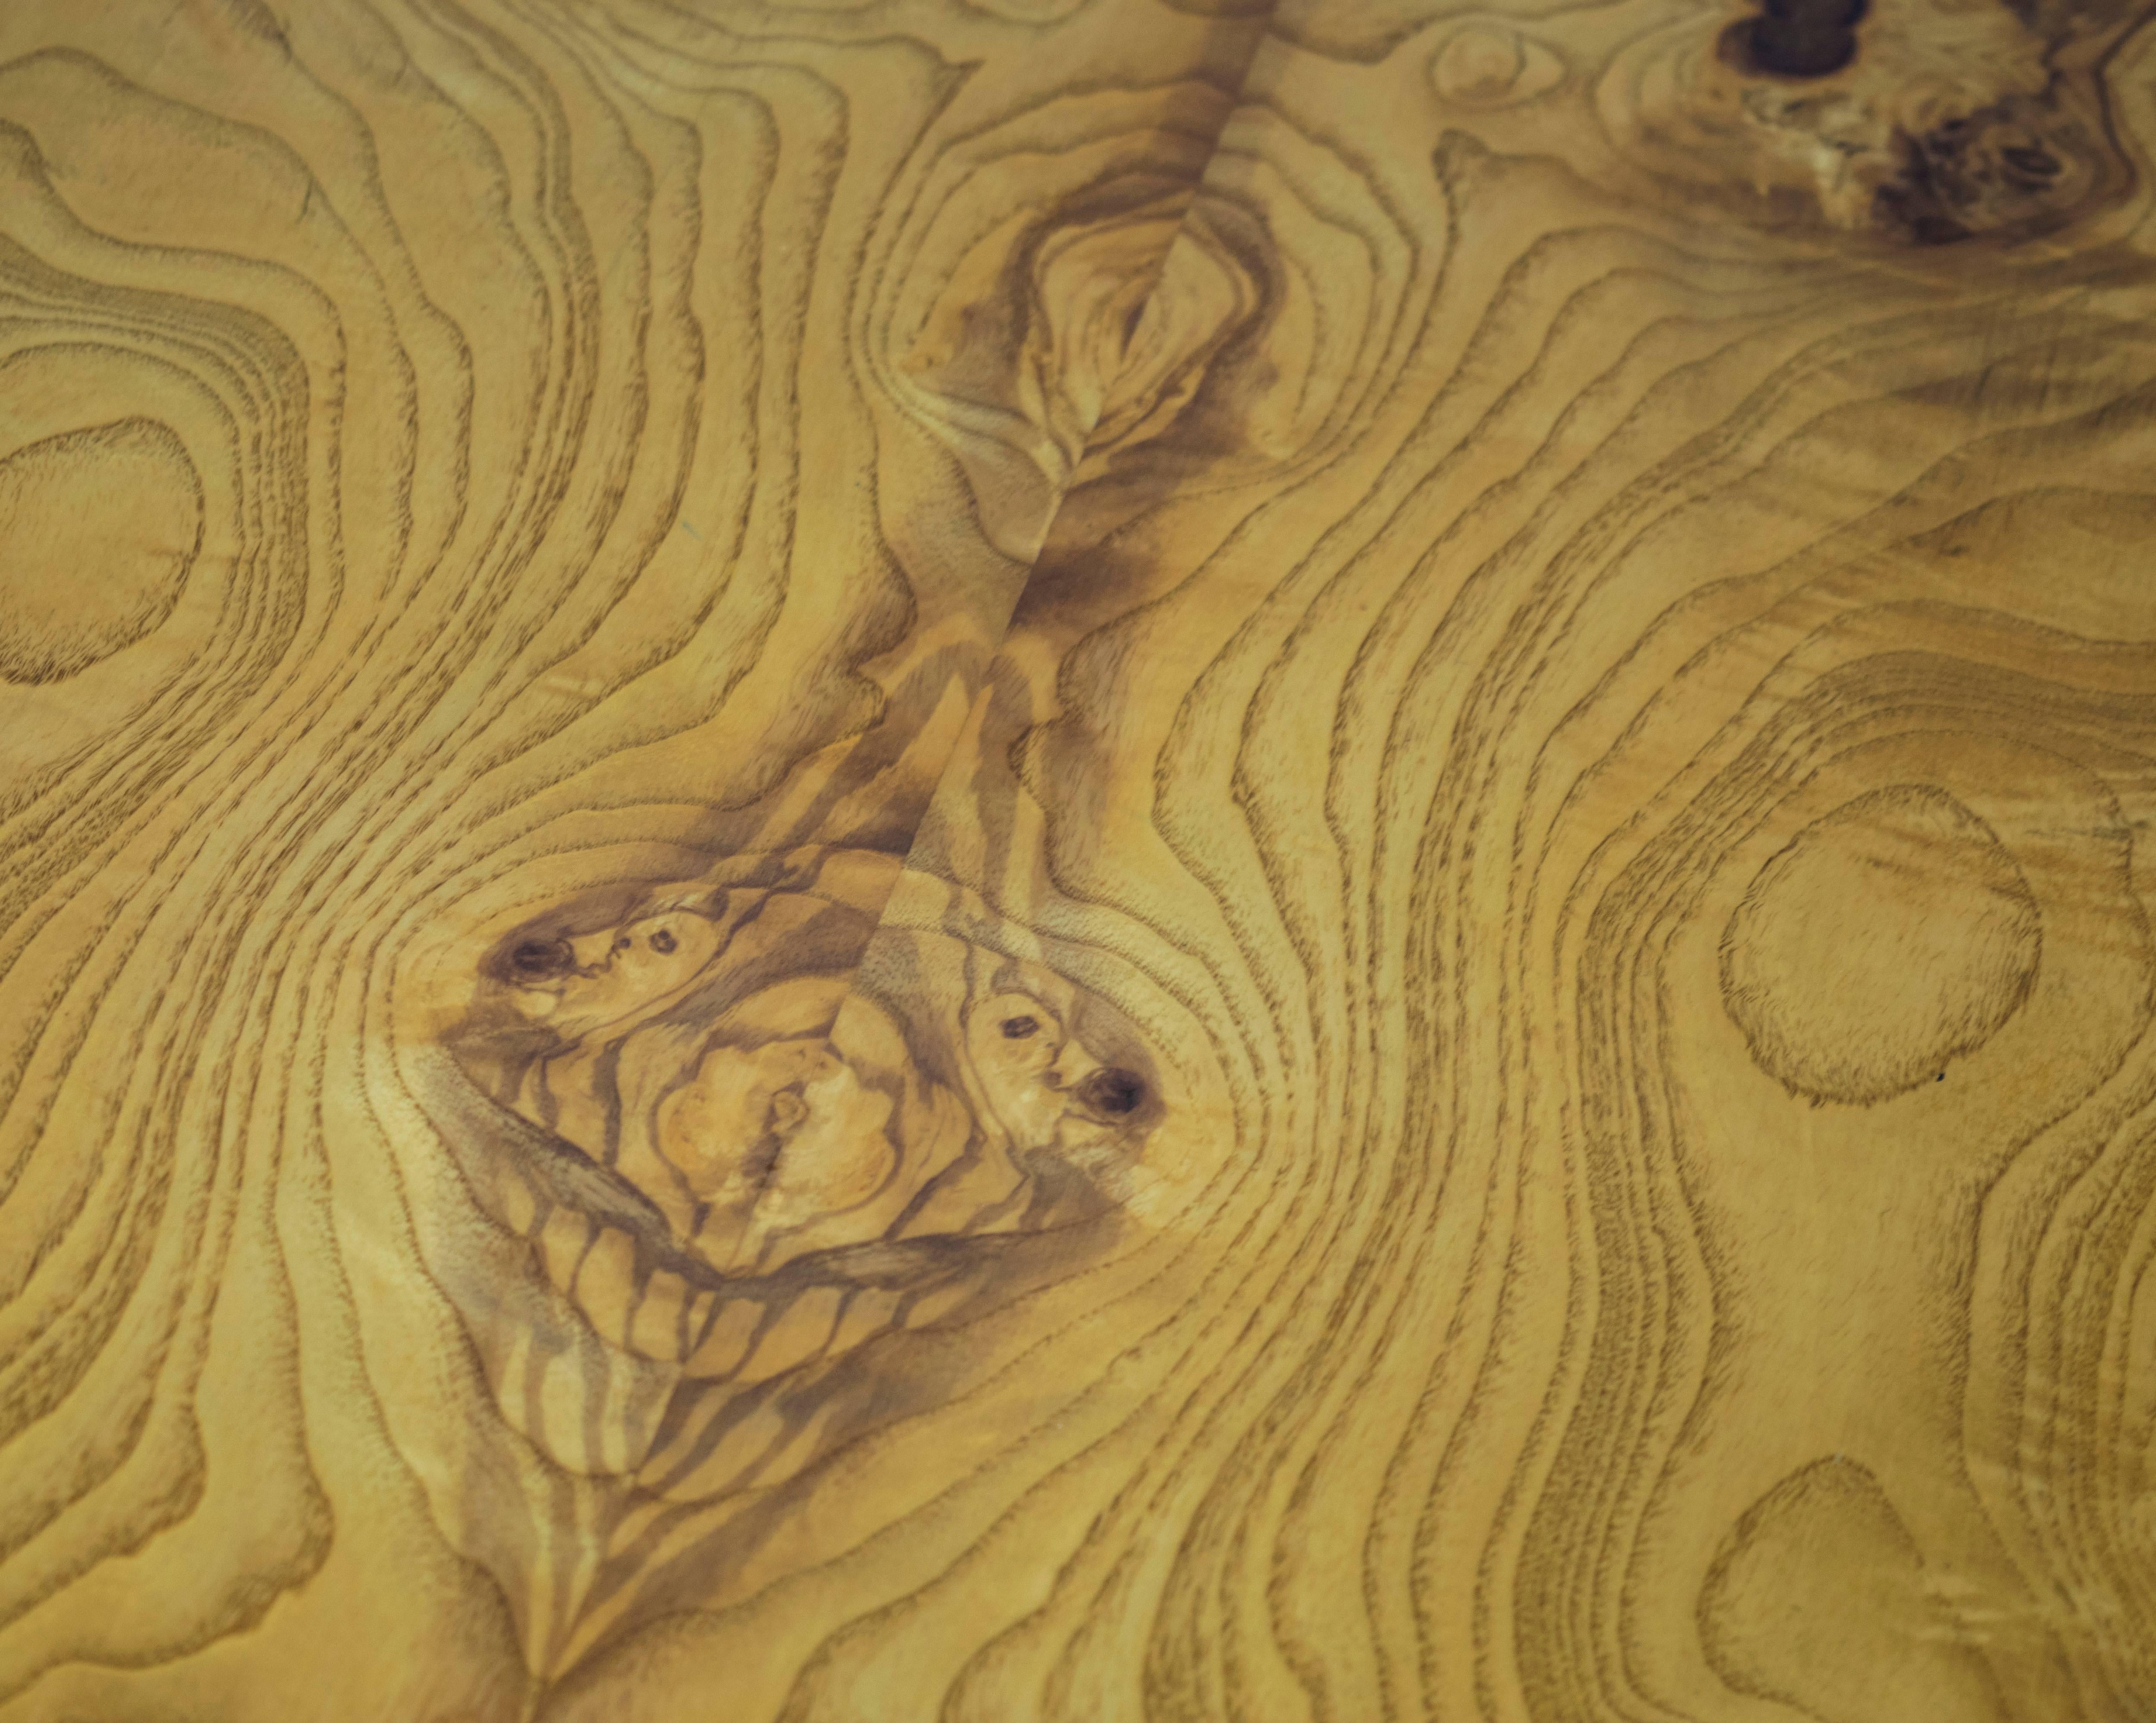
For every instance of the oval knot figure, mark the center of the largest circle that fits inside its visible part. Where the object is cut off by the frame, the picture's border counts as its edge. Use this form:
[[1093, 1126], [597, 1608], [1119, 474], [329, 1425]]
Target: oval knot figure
[[98, 530], [1891, 936]]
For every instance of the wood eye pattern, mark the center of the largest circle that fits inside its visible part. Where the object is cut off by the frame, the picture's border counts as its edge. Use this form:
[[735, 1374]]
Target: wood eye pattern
[[1113, 1092], [538, 960], [1076, 859], [1799, 39]]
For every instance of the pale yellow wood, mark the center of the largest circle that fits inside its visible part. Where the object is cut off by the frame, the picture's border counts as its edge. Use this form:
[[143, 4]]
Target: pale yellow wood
[[1508, 1077]]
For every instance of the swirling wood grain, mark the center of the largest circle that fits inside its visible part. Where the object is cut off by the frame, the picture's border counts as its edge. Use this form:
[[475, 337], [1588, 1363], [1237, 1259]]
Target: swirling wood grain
[[1623, 813], [462, 466], [1490, 1059]]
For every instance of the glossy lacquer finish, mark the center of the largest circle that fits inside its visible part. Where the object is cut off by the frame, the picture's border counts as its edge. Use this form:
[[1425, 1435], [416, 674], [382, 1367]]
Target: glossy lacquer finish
[[1001, 859]]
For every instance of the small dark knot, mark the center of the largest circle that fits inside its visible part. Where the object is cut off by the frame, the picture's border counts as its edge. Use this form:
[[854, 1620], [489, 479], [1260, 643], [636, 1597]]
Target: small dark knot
[[541, 960], [1797, 38], [1113, 1092]]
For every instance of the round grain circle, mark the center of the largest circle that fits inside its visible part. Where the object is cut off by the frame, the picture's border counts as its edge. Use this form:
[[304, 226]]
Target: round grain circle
[[1891, 936], [98, 530]]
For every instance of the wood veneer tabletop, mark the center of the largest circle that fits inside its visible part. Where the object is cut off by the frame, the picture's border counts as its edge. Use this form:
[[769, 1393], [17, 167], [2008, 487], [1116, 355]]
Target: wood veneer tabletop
[[1000, 860]]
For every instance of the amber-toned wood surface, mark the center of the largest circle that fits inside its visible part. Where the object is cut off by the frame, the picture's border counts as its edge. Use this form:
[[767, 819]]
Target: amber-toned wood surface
[[1054, 859]]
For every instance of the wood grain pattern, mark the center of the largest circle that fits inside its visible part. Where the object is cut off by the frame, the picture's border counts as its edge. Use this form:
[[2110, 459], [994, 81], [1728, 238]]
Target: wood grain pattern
[[1489, 1057], [508, 466]]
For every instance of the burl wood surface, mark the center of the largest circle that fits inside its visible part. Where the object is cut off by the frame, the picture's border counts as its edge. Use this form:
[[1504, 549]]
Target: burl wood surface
[[1003, 859]]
